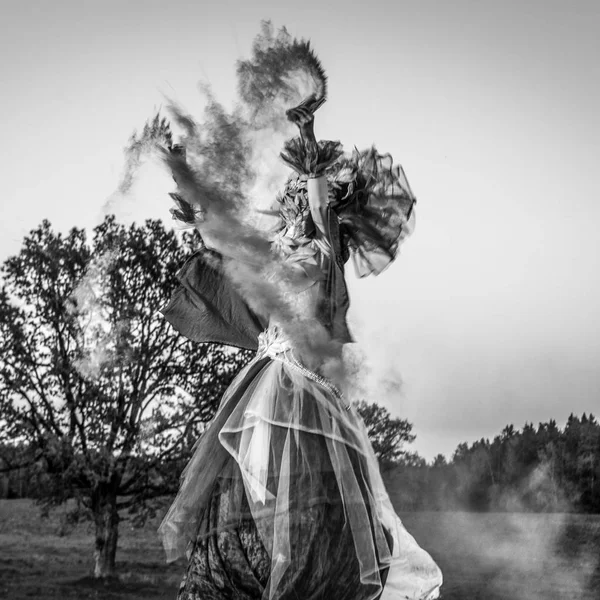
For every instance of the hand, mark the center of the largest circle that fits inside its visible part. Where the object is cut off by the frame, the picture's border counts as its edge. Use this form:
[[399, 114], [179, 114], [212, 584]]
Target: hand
[[304, 118]]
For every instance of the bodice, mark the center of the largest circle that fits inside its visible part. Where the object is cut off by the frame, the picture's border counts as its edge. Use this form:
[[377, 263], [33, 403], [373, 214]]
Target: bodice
[[319, 290]]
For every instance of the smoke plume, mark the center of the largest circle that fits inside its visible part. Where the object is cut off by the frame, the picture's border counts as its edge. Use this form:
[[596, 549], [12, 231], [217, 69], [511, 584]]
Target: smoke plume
[[228, 173], [98, 336]]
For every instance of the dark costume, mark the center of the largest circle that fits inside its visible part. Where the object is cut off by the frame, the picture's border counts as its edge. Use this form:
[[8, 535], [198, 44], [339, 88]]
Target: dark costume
[[283, 498]]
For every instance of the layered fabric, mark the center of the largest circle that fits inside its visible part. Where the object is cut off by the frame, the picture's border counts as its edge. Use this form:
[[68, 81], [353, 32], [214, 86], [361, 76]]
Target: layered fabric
[[374, 204], [302, 483], [369, 194], [283, 498]]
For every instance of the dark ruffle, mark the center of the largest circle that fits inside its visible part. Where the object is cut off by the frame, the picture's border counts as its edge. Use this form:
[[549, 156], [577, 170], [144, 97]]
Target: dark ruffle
[[305, 161], [374, 204], [369, 194]]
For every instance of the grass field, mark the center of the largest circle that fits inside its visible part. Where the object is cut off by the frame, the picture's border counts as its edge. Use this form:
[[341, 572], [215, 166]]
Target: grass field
[[483, 556]]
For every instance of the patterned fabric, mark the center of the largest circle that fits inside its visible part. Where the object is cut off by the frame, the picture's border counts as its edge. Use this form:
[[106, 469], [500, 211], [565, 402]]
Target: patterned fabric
[[294, 238], [230, 560]]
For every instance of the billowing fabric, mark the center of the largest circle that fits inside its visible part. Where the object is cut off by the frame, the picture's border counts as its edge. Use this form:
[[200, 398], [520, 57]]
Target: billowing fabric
[[206, 307], [283, 498], [374, 204], [303, 483]]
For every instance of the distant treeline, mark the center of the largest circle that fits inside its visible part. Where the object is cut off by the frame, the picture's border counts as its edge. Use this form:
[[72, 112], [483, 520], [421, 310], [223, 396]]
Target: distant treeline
[[537, 469]]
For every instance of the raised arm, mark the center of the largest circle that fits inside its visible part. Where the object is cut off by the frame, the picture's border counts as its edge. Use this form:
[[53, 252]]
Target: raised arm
[[311, 159]]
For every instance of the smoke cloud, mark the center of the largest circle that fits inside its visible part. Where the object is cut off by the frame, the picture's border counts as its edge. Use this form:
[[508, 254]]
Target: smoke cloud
[[521, 556], [229, 172], [98, 335], [514, 553]]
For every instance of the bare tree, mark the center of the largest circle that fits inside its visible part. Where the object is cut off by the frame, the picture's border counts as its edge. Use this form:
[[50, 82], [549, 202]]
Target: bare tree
[[96, 389]]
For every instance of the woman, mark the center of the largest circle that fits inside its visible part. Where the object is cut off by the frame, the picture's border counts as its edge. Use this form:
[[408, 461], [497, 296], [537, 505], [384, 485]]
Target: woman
[[283, 498]]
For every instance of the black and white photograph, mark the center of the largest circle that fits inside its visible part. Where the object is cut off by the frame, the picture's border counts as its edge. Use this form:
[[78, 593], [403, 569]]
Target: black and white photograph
[[300, 301]]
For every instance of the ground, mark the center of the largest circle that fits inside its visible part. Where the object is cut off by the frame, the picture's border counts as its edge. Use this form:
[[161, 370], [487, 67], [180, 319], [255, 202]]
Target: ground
[[47, 560], [483, 556]]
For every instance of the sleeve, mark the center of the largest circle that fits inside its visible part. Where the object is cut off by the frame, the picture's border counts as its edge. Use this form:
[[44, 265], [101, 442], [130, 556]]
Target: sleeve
[[375, 207], [206, 307]]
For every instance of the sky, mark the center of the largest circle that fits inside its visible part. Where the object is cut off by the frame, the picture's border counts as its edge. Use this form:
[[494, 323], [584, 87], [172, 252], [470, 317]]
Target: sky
[[490, 314]]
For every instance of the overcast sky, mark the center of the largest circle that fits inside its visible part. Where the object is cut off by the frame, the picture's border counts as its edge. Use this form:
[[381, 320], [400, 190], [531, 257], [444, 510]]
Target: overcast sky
[[490, 314]]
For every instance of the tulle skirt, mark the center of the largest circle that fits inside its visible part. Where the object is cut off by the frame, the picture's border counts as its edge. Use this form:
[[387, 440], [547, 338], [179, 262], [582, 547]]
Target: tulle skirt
[[283, 498]]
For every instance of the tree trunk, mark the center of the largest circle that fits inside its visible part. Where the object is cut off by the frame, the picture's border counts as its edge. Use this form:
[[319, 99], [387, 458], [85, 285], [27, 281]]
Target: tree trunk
[[106, 517]]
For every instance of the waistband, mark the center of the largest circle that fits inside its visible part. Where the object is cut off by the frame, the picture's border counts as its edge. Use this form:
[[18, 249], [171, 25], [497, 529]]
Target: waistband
[[272, 342]]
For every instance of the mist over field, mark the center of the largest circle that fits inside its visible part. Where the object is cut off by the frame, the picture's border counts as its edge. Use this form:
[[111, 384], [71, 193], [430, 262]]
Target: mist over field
[[484, 556]]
